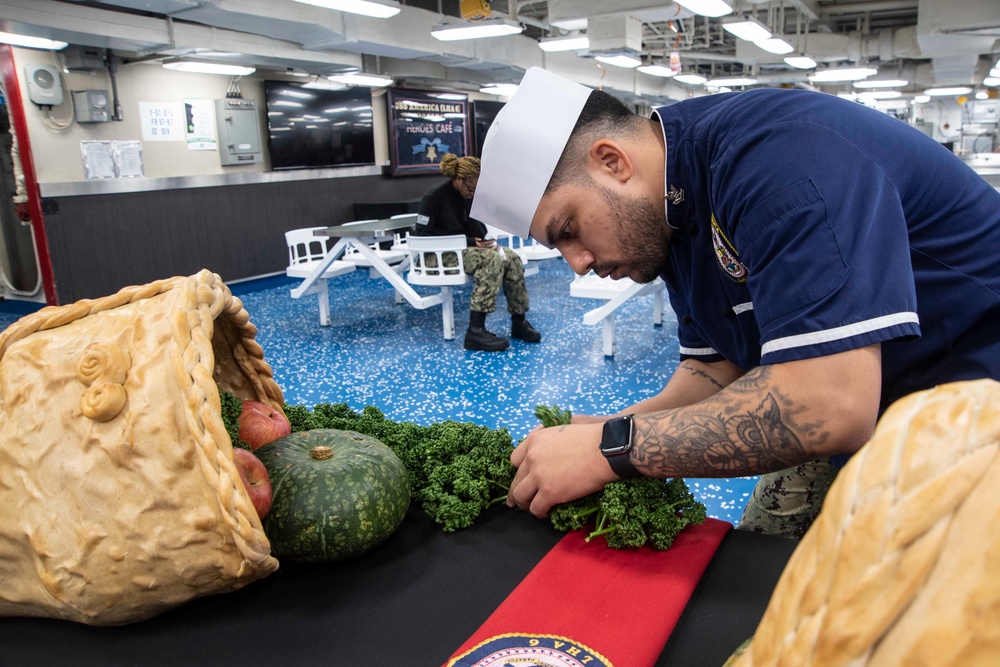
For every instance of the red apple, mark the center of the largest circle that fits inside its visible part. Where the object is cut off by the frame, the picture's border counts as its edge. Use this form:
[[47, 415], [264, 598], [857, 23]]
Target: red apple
[[255, 479], [260, 424]]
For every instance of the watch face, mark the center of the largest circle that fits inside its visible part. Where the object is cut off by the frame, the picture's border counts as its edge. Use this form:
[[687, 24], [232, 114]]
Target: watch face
[[617, 436]]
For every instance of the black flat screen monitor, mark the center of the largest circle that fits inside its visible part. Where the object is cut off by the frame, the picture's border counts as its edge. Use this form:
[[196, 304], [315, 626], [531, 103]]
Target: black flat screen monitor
[[309, 128], [483, 113]]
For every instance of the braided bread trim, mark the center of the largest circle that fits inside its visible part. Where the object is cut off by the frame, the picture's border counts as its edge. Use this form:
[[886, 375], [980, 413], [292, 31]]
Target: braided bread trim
[[883, 526]]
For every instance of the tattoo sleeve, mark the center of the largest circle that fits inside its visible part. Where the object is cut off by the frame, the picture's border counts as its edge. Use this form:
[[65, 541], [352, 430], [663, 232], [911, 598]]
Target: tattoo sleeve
[[749, 428]]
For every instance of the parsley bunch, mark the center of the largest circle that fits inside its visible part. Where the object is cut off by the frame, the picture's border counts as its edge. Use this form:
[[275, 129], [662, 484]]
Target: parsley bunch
[[627, 512]]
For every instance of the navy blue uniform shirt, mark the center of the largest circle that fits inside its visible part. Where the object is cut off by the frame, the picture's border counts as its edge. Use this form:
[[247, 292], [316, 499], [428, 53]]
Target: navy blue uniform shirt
[[810, 225]]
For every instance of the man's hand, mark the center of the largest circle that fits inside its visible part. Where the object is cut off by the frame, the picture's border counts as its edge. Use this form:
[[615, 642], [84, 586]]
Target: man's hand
[[485, 243], [556, 465]]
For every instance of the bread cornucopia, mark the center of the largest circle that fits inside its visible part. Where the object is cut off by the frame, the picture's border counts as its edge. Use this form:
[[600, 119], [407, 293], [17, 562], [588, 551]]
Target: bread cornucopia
[[119, 491], [902, 567]]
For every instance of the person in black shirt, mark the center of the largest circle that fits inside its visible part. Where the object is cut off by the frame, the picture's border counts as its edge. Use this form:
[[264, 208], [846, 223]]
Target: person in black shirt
[[444, 211]]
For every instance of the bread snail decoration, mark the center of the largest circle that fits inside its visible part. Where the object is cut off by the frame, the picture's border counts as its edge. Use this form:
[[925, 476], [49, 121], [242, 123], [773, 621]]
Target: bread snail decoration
[[103, 369]]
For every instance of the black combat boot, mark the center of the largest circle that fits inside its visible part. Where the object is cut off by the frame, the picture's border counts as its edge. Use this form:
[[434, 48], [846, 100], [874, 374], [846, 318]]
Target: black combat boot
[[478, 338], [521, 328]]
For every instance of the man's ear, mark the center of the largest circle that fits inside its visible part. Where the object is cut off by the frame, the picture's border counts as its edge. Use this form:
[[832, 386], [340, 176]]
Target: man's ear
[[609, 159]]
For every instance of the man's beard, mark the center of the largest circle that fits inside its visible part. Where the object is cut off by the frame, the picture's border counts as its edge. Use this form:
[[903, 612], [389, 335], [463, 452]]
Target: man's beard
[[643, 238]]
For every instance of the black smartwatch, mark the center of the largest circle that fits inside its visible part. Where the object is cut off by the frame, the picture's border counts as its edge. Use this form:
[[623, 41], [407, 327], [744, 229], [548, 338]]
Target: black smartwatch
[[616, 444]]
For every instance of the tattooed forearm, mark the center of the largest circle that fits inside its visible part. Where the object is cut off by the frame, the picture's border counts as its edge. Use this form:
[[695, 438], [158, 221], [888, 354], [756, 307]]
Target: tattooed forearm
[[690, 368], [750, 428]]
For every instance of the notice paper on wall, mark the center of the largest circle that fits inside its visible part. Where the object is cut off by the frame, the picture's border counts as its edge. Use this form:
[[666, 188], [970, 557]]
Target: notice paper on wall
[[98, 159], [162, 121], [112, 159], [199, 125]]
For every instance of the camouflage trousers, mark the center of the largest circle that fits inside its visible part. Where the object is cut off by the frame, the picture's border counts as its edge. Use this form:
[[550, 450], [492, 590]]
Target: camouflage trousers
[[788, 501], [490, 271]]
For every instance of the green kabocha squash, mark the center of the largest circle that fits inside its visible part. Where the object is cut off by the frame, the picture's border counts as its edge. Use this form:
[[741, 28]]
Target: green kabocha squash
[[336, 494]]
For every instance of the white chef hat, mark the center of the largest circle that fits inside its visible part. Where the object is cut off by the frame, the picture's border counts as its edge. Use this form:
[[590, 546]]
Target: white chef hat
[[522, 148]]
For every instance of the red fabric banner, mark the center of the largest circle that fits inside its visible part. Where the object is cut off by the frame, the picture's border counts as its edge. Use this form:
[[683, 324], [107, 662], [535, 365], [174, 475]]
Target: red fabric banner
[[587, 604]]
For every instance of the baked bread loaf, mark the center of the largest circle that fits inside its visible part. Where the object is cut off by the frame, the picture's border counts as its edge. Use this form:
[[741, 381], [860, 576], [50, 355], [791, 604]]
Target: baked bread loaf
[[119, 493], [902, 567]]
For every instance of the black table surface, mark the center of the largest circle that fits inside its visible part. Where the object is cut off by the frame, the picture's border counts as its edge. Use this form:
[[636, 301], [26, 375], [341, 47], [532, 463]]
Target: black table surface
[[411, 602]]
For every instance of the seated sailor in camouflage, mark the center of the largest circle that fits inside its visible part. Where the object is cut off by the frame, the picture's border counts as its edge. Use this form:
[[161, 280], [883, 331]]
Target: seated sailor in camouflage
[[444, 211]]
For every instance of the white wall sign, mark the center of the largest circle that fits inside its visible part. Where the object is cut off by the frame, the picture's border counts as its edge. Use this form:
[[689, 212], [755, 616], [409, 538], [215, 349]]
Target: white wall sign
[[162, 121]]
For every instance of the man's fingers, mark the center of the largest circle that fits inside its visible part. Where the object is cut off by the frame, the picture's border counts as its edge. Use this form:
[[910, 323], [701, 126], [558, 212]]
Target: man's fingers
[[519, 453], [522, 492]]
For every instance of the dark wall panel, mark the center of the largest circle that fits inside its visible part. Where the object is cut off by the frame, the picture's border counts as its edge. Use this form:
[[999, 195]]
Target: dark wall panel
[[101, 243]]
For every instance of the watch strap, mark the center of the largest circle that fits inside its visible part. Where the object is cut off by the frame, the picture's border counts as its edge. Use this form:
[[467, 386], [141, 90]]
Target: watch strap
[[622, 466]]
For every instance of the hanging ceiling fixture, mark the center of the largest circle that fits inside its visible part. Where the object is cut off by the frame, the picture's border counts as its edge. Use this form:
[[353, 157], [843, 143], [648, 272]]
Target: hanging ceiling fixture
[[709, 8], [499, 89], [800, 62], [498, 27], [656, 70], [31, 42], [379, 9], [775, 45], [620, 60], [842, 74], [362, 79], [691, 78], [201, 67], [564, 43], [746, 28]]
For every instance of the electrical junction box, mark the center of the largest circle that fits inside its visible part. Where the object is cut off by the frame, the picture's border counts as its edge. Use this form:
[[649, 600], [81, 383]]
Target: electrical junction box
[[984, 111], [91, 106], [83, 58], [44, 87], [239, 131]]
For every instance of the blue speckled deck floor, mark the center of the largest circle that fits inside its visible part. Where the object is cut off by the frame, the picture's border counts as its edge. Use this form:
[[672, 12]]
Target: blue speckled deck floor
[[377, 352]]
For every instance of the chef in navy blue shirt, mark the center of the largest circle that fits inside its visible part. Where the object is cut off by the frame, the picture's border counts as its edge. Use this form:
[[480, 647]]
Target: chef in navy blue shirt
[[823, 260]]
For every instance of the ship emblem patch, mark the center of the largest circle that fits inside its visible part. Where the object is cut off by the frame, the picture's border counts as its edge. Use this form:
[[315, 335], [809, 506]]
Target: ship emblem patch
[[726, 254], [529, 649]]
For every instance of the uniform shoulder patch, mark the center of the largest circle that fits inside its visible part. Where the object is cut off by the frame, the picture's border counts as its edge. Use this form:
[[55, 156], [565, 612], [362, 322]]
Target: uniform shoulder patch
[[726, 254], [530, 649]]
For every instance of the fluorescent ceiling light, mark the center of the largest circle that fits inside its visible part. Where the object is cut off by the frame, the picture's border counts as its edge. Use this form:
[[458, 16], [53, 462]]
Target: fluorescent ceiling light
[[690, 78], [450, 96], [982, 95], [657, 70], [775, 45], [324, 85], [880, 83], [710, 8], [995, 72], [991, 81], [731, 81], [921, 99], [501, 89], [31, 42], [567, 43], [749, 29], [880, 94], [800, 62], [570, 24], [956, 90], [843, 74], [380, 9], [620, 60], [450, 32], [208, 68], [363, 79]]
